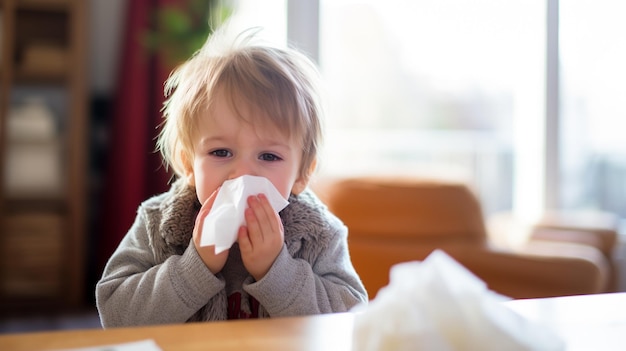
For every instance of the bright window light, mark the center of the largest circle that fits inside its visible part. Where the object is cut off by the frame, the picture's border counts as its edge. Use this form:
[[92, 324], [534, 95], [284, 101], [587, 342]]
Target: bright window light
[[447, 88]]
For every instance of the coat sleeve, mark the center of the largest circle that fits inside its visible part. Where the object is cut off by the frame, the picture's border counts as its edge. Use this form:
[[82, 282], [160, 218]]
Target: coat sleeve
[[137, 290], [294, 286]]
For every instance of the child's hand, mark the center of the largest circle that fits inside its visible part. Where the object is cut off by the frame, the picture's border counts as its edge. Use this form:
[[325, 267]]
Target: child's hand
[[261, 241], [214, 262]]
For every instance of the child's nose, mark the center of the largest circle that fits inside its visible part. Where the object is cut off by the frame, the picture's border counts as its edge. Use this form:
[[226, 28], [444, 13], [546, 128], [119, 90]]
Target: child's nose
[[242, 168]]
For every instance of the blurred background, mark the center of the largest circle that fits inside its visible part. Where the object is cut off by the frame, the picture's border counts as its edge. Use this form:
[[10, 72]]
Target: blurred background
[[521, 99]]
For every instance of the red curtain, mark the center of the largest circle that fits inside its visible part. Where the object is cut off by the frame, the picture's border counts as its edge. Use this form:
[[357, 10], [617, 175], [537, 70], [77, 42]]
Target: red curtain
[[134, 171]]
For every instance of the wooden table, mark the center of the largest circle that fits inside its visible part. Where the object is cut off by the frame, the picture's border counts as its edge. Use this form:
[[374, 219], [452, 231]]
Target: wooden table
[[323, 332], [586, 322], [590, 322]]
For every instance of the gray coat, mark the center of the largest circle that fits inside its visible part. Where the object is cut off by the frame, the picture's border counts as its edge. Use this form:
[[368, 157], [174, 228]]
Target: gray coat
[[156, 275]]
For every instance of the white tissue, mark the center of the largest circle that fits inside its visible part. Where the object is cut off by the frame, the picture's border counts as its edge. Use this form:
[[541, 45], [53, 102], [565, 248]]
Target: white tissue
[[227, 214], [437, 304]]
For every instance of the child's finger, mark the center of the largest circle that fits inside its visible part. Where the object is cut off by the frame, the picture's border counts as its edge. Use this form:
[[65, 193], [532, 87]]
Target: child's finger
[[255, 231], [204, 211], [208, 204], [244, 240], [265, 215], [270, 216]]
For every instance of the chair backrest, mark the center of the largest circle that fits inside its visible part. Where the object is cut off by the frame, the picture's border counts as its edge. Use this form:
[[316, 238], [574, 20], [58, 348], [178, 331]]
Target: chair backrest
[[393, 220], [407, 209]]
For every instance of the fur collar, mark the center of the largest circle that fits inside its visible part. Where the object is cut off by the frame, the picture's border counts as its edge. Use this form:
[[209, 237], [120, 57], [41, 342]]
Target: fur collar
[[171, 218], [305, 221]]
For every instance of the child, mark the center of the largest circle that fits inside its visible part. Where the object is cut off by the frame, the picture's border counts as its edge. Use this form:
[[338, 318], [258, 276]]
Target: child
[[233, 110]]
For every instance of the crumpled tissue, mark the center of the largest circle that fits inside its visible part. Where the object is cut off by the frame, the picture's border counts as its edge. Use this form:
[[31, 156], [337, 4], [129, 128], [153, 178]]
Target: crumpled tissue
[[438, 304], [227, 214]]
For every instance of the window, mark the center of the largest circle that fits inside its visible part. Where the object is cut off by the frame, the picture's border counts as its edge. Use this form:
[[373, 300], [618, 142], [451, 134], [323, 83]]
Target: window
[[435, 87], [467, 89], [269, 15], [593, 52]]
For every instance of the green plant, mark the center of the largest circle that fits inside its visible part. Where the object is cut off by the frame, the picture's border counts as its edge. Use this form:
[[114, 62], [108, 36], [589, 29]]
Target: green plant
[[180, 30]]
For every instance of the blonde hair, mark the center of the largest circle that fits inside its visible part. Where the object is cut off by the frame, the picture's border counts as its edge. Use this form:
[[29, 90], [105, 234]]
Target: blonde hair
[[281, 83]]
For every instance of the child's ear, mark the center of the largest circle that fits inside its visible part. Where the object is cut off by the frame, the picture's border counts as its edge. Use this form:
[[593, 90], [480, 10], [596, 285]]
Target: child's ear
[[302, 181], [299, 185], [188, 168]]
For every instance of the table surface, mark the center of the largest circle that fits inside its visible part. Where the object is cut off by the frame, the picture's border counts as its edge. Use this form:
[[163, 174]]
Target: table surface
[[587, 322]]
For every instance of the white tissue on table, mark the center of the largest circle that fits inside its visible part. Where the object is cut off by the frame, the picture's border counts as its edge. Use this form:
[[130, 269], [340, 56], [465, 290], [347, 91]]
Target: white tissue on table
[[438, 304], [227, 214]]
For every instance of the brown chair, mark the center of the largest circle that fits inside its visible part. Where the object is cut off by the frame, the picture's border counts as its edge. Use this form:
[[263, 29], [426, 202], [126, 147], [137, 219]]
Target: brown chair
[[594, 228], [393, 220]]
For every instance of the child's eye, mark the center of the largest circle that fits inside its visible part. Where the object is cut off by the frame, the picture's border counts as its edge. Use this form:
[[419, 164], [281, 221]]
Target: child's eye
[[269, 157], [221, 153]]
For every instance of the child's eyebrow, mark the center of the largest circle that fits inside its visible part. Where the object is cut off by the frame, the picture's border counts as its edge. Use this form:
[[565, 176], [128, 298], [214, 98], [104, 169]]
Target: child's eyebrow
[[265, 142], [271, 141], [279, 145], [212, 139]]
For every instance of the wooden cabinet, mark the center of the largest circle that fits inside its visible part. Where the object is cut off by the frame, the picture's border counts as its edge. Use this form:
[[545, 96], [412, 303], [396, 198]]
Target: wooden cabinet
[[43, 152]]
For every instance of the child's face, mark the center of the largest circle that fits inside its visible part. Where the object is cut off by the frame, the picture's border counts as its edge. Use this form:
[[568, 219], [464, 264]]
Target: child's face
[[227, 147]]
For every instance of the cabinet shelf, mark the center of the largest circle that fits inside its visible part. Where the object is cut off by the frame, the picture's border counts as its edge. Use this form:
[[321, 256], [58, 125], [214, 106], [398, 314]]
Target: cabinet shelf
[[42, 207], [53, 203], [45, 5], [50, 78]]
